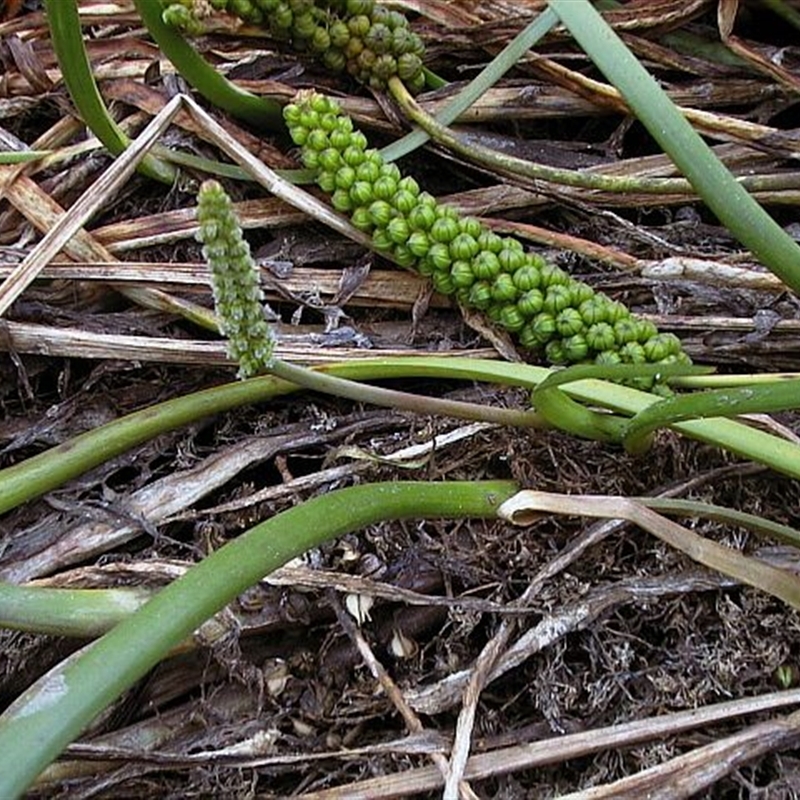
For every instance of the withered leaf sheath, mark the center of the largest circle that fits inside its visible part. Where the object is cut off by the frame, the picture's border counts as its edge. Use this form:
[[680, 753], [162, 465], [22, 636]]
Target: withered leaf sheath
[[536, 301], [237, 294]]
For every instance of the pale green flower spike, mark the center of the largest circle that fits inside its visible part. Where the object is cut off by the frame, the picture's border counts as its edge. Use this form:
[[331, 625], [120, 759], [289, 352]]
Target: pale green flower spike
[[237, 294]]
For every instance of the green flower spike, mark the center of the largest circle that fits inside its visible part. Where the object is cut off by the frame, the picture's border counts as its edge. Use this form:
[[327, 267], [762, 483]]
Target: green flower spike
[[539, 302], [237, 294]]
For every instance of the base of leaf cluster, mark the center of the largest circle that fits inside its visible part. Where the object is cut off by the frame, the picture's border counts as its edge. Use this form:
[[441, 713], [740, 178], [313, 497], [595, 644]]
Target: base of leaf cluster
[[539, 303]]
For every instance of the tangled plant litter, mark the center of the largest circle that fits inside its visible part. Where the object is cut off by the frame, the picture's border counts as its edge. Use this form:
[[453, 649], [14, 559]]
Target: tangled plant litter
[[555, 347]]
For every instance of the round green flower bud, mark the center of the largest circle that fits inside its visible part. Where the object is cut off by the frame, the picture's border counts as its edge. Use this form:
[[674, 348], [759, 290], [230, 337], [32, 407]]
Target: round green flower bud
[[626, 330], [485, 265], [555, 353], [463, 246], [569, 322], [281, 18], [422, 217], [330, 159], [510, 260], [503, 289], [310, 158], [557, 297], [516, 245], [339, 33], [341, 201], [632, 353], [340, 139], [384, 188], [600, 336], [527, 337], [304, 26], [480, 295], [321, 42], [334, 59], [446, 212], [471, 226], [403, 41], [361, 193], [530, 303], [647, 330], [352, 50], [439, 256], [419, 243], [404, 201], [661, 346], [353, 156], [366, 62], [462, 274], [360, 7], [361, 219], [357, 139], [317, 140], [390, 171], [385, 67], [291, 114], [493, 313], [425, 267], [368, 171], [181, 18], [490, 241], [553, 275], [417, 46], [379, 38], [616, 311], [381, 240], [396, 20], [403, 256], [301, 6], [444, 230], [381, 212], [379, 14], [345, 177], [416, 84], [511, 319], [575, 348], [398, 230], [326, 181], [581, 292], [543, 327], [595, 310], [408, 184], [359, 25], [527, 277], [309, 117], [409, 65], [608, 357], [443, 283]]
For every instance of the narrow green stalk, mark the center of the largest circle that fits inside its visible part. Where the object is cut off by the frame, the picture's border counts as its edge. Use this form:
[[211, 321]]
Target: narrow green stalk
[[721, 192], [88, 613], [23, 156], [479, 85], [48, 470], [76, 71], [67, 612], [765, 528], [261, 112], [511, 165], [760, 399], [404, 401], [54, 711]]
